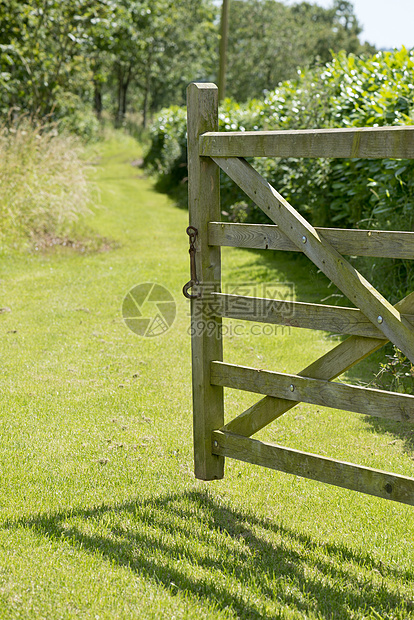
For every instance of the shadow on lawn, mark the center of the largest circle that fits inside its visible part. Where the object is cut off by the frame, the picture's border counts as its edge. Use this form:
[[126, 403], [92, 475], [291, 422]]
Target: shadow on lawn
[[193, 544]]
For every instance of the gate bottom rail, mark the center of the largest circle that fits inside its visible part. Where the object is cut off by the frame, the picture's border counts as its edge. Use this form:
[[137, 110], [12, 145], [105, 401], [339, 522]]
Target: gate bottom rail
[[315, 467]]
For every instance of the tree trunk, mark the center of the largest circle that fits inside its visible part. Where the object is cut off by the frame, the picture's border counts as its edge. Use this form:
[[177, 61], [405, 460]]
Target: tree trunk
[[97, 98], [224, 34], [118, 95], [124, 98], [146, 101], [124, 79]]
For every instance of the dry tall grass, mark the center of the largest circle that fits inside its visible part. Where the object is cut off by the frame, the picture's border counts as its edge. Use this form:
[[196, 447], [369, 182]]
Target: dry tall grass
[[43, 183]]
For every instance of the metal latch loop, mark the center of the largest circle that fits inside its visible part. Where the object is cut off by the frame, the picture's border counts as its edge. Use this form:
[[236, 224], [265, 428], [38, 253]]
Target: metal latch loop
[[192, 233]]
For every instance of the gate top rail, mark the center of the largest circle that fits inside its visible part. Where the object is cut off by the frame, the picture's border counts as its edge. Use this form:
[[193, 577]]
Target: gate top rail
[[356, 142]]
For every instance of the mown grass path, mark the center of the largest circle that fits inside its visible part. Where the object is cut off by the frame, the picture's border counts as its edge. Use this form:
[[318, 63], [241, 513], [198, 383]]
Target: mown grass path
[[100, 514]]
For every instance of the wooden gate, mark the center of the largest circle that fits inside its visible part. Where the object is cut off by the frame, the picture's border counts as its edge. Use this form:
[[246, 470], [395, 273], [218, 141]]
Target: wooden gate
[[372, 323]]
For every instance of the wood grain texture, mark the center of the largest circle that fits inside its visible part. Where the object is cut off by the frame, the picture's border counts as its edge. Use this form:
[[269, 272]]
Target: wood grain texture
[[364, 142], [378, 243], [335, 319], [322, 254], [378, 403], [204, 205], [335, 362], [339, 473]]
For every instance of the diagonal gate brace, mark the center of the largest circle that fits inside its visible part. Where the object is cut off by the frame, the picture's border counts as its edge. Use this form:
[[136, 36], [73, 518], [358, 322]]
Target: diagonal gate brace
[[375, 307]]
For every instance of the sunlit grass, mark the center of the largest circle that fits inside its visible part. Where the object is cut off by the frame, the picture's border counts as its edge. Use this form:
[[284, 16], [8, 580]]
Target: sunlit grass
[[101, 516]]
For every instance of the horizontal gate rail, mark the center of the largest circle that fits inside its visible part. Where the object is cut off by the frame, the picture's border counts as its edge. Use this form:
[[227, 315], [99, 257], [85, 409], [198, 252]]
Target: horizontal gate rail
[[321, 317], [306, 465], [365, 142], [378, 403], [377, 243]]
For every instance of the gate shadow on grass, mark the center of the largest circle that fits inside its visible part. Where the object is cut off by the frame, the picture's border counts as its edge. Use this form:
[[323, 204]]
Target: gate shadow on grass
[[192, 544]]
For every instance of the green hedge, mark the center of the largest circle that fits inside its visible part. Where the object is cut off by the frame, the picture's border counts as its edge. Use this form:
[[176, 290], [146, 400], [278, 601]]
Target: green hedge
[[347, 92]]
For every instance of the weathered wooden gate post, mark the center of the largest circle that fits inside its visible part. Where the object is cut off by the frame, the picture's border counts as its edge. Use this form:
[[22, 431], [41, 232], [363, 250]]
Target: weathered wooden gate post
[[204, 207]]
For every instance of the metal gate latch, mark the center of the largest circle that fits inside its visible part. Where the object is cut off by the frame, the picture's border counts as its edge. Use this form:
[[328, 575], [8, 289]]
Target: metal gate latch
[[192, 233]]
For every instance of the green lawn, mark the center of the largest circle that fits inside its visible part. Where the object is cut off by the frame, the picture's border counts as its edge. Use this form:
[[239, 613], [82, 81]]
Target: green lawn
[[101, 516]]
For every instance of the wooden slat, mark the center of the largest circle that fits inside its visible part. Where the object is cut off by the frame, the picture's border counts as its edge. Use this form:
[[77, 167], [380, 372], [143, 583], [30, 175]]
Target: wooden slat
[[204, 205], [328, 367], [364, 142], [346, 475], [335, 319], [378, 403], [322, 254], [378, 243]]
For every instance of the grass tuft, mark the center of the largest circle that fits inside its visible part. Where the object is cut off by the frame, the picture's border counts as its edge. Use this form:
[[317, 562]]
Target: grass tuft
[[44, 187]]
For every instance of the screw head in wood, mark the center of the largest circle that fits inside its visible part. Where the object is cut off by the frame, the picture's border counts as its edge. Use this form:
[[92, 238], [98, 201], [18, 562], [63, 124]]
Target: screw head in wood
[[304, 239], [292, 387], [380, 319], [216, 444]]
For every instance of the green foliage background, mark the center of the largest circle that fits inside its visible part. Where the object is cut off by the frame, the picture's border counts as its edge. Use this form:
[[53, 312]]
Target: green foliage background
[[269, 40], [349, 91], [69, 59]]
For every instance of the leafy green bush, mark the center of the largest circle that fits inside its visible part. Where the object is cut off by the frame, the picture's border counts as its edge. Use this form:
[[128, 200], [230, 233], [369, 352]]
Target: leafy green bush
[[76, 117], [167, 156], [396, 374], [347, 92], [43, 185]]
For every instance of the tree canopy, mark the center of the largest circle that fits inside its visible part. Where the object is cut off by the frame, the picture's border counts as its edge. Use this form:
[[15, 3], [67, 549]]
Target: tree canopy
[[268, 41], [62, 58]]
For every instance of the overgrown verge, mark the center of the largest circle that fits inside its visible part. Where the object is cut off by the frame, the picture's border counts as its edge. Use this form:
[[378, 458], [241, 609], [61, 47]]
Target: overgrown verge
[[347, 92], [44, 189]]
